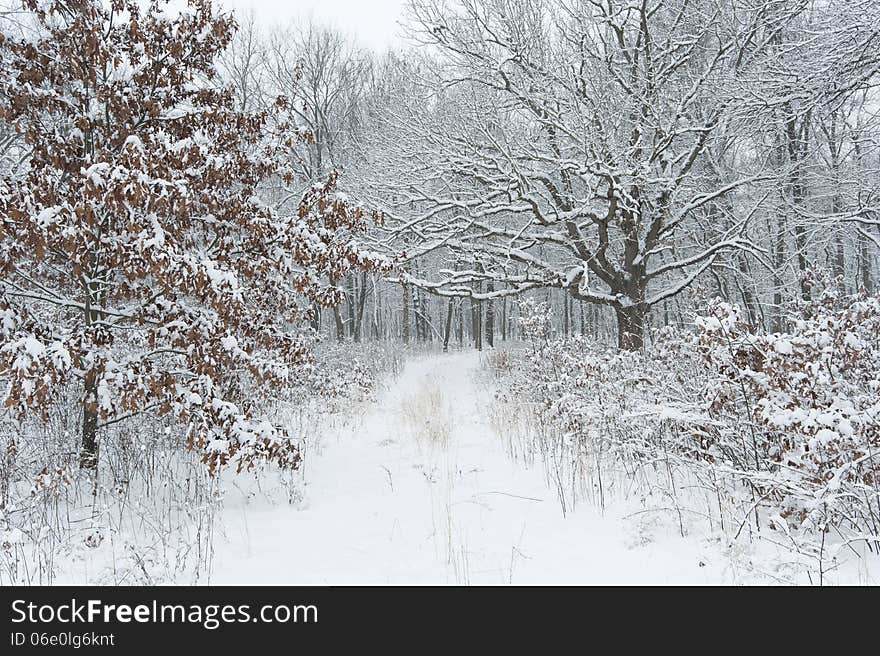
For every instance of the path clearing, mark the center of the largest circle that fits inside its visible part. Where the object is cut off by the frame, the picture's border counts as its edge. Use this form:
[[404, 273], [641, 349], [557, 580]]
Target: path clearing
[[420, 490]]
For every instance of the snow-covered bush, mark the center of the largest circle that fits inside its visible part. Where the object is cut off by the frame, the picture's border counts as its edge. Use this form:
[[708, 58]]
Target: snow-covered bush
[[535, 320], [813, 398], [780, 431], [346, 372]]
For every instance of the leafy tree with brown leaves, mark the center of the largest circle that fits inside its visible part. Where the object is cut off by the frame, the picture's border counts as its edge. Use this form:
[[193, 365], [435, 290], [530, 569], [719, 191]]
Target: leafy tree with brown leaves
[[138, 260]]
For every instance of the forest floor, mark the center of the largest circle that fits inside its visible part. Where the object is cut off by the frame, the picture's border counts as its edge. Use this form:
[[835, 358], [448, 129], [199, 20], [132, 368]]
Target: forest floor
[[418, 489]]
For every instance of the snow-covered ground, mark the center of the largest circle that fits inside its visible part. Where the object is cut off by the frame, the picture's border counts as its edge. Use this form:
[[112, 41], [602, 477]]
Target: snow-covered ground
[[419, 489]]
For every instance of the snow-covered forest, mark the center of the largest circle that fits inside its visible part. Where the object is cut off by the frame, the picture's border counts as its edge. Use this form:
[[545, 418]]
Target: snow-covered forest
[[553, 291]]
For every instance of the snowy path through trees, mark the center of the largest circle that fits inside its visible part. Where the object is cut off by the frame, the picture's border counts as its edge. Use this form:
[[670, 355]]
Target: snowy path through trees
[[420, 490]]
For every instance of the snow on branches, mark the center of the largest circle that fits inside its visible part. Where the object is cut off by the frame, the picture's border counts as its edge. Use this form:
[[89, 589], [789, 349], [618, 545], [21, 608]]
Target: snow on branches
[[139, 258]]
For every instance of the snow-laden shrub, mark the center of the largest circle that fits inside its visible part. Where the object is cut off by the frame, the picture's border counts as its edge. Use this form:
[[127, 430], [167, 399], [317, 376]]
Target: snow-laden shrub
[[779, 430], [813, 395], [343, 373], [536, 320]]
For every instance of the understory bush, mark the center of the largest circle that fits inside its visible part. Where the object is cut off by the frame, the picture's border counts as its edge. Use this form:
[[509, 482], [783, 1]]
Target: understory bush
[[776, 435]]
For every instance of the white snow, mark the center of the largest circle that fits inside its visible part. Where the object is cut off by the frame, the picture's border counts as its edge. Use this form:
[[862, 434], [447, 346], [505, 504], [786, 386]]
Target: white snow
[[420, 490], [417, 487], [826, 436], [47, 216], [134, 141], [11, 537], [33, 347], [783, 347]]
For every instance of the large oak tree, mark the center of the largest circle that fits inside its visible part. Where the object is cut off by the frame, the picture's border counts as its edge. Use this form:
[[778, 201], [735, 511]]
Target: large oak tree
[[583, 144]]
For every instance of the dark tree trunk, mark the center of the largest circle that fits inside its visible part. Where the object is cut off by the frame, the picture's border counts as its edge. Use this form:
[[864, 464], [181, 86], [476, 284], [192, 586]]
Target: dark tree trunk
[[630, 327], [476, 324], [316, 317], [422, 329], [417, 319], [748, 296], [405, 326], [839, 266], [865, 263], [352, 300], [362, 302], [448, 328], [340, 326], [88, 455], [798, 137], [490, 317], [778, 324], [837, 257], [565, 316], [863, 256], [377, 312], [800, 242]]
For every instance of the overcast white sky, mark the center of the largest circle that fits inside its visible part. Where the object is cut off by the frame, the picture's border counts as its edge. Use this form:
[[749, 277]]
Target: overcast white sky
[[374, 22]]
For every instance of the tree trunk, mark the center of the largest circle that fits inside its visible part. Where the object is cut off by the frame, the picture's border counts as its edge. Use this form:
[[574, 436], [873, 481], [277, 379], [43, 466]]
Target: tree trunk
[[565, 316], [421, 320], [863, 255], [362, 302], [405, 327], [865, 263], [839, 263], [376, 309], [800, 242], [352, 301], [316, 317], [630, 327], [88, 455], [748, 296], [340, 326], [798, 137], [839, 259], [778, 323], [490, 318], [416, 317], [476, 324], [448, 329]]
